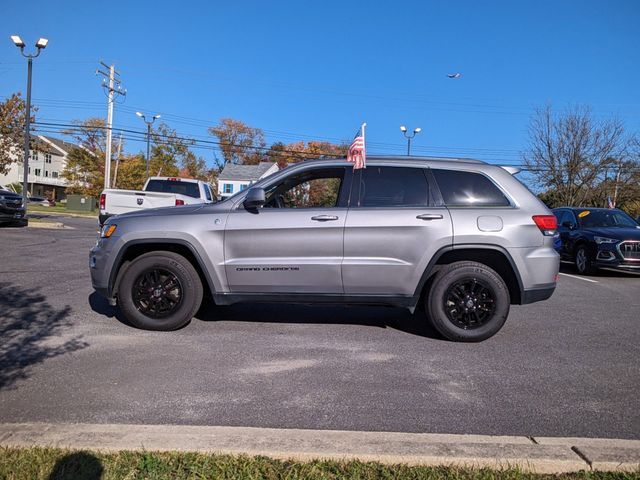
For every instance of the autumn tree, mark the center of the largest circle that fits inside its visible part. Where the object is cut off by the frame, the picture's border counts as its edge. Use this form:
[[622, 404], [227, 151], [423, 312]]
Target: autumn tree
[[239, 142], [12, 119], [570, 153], [84, 170], [284, 154]]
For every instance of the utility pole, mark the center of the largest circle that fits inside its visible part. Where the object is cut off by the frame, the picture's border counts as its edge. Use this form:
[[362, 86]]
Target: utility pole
[[113, 87]]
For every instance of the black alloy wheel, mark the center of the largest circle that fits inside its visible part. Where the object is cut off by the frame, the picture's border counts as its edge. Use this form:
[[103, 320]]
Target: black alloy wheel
[[470, 303], [157, 293]]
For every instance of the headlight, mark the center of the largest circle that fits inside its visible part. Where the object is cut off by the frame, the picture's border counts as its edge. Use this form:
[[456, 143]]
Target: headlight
[[600, 240], [107, 230]]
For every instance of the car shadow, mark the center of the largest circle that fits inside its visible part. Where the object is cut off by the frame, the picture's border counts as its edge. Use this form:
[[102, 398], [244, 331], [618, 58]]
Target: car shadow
[[370, 316], [31, 332], [284, 313]]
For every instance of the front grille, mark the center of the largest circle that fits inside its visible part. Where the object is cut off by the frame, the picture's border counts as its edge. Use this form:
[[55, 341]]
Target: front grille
[[630, 250], [13, 203]]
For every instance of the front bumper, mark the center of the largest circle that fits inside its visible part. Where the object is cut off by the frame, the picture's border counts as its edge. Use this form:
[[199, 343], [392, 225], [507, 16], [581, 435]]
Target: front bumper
[[11, 214], [611, 256]]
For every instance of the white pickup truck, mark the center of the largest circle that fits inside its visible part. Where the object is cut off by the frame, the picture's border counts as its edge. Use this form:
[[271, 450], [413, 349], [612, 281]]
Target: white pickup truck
[[157, 192]]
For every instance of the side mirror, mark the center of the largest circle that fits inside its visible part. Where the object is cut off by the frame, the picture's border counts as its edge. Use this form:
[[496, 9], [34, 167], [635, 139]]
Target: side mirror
[[568, 225], [255, 198]]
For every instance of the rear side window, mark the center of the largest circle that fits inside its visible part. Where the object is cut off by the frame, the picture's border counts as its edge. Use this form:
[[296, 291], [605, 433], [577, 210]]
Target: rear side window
[[189, 189], [393, 187], [468, 189]]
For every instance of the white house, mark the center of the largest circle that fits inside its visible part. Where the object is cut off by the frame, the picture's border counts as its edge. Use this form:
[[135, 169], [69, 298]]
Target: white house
[[235, 178], [47, 160]]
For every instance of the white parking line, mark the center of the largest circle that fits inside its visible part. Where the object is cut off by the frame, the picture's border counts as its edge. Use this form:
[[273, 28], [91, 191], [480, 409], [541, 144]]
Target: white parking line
[[579, 278]]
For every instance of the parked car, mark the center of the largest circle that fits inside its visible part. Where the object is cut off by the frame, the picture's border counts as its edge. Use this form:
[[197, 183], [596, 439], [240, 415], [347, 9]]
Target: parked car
[[157, 192], [11, 208], [598, 237], [461, 237], [41, 201]]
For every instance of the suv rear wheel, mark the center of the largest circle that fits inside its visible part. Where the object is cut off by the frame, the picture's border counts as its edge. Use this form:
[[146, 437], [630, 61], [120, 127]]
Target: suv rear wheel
[[468, 302], [160, 291]]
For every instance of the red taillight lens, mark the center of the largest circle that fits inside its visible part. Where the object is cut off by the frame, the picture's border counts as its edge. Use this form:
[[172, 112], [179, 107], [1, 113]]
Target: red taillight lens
[[546, 223], [179, 202], [103, 200]]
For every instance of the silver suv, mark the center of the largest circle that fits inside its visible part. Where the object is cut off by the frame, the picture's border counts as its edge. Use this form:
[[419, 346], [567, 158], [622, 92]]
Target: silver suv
[[462, 238]]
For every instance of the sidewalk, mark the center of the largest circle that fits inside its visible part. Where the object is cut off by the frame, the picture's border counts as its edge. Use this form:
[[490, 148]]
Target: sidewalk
[[539, 454]]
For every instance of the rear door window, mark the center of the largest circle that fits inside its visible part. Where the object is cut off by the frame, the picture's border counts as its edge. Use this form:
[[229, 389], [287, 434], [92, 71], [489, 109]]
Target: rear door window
[[468, 189], [393, 187]]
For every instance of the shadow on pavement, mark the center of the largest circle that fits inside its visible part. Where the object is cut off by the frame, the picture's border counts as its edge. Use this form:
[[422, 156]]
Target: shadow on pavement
[[30, 328], [78, 465], [382, 317], [371, 316]]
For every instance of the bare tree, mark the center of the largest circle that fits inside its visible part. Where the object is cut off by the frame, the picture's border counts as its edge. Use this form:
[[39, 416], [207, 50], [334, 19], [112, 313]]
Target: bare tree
[[570, 153], [239, 142]]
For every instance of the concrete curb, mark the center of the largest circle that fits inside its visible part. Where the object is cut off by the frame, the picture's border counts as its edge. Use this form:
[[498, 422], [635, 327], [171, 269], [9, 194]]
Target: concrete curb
[[49, 225], [539, 455]]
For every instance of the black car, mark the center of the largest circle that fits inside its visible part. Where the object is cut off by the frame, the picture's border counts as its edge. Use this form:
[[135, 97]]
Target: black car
[[11, 209], [598, 237]]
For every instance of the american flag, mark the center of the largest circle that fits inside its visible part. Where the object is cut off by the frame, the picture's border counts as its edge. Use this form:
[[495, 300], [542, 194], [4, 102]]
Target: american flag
[[611, 203], [356, 153]]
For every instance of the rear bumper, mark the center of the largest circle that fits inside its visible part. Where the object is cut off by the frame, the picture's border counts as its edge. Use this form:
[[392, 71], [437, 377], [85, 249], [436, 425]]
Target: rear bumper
[[537, 294]]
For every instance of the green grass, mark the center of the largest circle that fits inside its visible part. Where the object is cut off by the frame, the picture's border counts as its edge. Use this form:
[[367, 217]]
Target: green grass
[[59, 209], [57, 464]]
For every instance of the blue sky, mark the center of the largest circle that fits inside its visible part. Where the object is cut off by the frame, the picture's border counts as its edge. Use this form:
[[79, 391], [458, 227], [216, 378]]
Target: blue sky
[[315, 70]]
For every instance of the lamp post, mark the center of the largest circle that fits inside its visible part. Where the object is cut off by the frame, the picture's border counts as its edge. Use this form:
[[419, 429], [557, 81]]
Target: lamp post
[[40, 45], [403, 129], [149, 123]]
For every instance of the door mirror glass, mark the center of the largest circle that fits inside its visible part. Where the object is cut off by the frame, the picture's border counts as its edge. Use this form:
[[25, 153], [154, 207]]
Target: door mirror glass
[[255, 198]]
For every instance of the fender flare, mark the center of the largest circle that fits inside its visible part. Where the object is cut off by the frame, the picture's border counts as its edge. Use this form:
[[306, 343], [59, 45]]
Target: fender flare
[[433, 263], [119, 266]]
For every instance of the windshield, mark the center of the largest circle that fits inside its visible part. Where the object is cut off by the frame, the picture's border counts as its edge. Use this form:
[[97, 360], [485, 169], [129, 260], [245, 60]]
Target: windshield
[[189, 189], [605, 218]]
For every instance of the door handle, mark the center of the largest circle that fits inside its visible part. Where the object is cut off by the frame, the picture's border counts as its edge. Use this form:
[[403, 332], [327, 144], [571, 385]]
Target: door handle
[[324, 218], [430, 216]]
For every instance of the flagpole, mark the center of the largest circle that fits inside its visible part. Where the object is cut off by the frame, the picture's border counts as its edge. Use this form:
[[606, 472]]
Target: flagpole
[[364, 144]]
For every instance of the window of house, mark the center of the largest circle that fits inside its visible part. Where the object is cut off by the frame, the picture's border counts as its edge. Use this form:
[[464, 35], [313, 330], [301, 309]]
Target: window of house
[[54, 174], [243, 186], [46, 173], [468, 189], [319, 188], [393, 187], [227, 188], [47, 158], [38, 171]]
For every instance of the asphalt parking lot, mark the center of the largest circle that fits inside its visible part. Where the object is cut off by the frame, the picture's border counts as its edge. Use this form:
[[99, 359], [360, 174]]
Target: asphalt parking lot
[[565, 367]]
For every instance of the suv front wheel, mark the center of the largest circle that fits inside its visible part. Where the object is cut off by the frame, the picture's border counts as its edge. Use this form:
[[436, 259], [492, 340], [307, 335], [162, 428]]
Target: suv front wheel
[[468, 302], [160, 291]]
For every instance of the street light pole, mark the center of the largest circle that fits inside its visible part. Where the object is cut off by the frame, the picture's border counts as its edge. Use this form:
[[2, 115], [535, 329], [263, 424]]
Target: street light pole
[[149, 123], [403, 129], [40, 45]]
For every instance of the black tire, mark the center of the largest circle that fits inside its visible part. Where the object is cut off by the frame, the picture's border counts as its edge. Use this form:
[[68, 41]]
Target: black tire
[[583, 261], [474, 316], [160, 291]]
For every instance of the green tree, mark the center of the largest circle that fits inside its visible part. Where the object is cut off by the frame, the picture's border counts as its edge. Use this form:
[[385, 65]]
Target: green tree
[[169, 151], [13, 113], [239, 142], [132, 172]]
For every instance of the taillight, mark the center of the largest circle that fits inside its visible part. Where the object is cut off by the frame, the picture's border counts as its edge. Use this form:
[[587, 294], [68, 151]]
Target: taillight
[[103, 201], [546, 223], [179, 202]]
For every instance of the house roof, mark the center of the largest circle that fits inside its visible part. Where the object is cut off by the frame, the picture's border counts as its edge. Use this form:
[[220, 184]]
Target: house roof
[[60, 144], [234, 171]]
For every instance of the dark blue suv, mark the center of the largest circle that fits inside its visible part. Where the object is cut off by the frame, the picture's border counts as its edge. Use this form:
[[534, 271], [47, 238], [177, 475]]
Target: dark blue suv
[[598, 237]]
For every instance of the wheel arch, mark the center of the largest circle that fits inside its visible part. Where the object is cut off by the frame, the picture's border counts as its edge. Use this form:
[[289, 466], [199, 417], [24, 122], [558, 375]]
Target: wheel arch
[[494, 256], [135, 248]]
